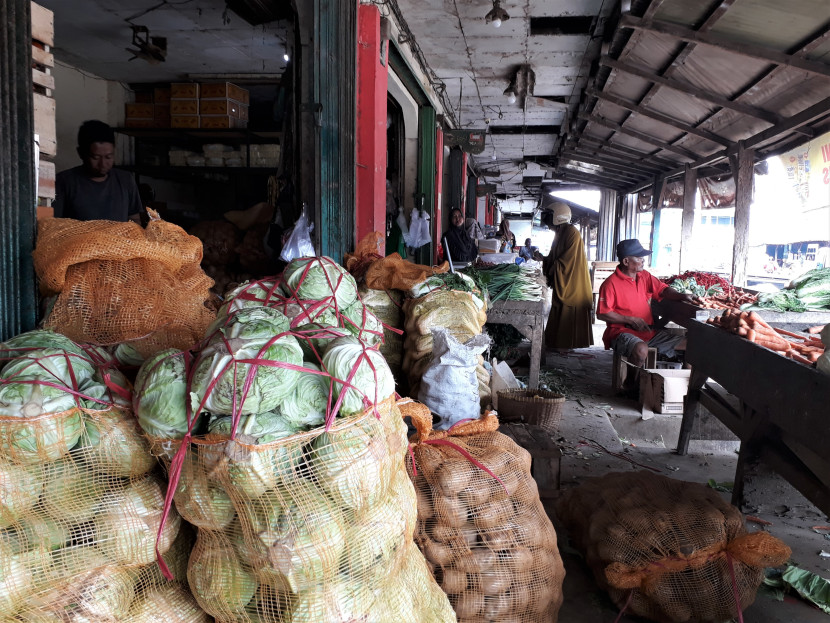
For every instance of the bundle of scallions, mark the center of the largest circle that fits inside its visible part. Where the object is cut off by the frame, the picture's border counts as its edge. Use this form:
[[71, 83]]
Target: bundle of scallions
[[508, 282]]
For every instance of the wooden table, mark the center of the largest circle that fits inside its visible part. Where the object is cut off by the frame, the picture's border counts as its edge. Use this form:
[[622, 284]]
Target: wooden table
[[545, 455], [529, 318], [781, 415]]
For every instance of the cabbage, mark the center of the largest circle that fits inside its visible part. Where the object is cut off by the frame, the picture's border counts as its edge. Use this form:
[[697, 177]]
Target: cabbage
[[319, 278], [43, 440], [221, 585], [167, 603], [353, 464], [318, 336], [306, 407], [244, 338], [15, 582], [269, 605], [102, 595], [200, 501], [100, 393], [113, 445], [343, 601], [252, 428], [127, 355], [22, 392], [250, 472], [72, 492], [128, 520], [371, 382], [160, 395], [42, 532], [39, 339], [368, 328], [374, 541], [20, 490], [296, 538]]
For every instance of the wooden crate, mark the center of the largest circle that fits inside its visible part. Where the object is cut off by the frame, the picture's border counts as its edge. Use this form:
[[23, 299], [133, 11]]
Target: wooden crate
[[138, 111], [184, 90], [184, 107], [221, 121], [184, 121], [224, 90], [43, 25], [227, 107], [44, 113], [46, 180]]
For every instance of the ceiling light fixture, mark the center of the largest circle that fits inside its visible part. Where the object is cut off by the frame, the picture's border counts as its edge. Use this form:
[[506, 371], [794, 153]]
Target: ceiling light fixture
[[496, 15], [510, 94], [521, 84], [286, 58]]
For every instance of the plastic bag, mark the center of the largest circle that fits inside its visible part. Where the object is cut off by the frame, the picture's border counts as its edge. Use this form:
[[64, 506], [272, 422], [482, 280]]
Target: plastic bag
[[299, 242], [449, 386], [418, 229]]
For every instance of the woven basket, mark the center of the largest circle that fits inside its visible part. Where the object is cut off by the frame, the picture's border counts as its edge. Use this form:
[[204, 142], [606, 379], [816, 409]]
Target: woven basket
[[531, 406]]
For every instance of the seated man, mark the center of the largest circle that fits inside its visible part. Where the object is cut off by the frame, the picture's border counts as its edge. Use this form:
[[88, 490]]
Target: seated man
[[625, 305], [529, 252]]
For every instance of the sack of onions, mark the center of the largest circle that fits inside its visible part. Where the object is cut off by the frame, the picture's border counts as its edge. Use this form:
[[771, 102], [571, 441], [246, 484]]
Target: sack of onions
[[481, 524]]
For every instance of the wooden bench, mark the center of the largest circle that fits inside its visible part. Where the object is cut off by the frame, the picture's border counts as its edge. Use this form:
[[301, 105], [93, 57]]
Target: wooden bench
[[600, 271]]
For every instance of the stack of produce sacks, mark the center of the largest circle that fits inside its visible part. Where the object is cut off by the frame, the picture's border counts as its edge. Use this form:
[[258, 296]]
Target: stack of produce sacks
[[438, 302], [80, 506], [666, 549], [286, 450], [481, 524], [386, 305], [119, 282]]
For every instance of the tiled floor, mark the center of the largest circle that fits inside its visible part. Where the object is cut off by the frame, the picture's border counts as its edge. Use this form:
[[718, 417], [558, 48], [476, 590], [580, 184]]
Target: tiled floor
[[595, 416]]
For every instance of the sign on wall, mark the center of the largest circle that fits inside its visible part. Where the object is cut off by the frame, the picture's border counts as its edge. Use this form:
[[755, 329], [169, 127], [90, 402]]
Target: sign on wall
[[470, 141]]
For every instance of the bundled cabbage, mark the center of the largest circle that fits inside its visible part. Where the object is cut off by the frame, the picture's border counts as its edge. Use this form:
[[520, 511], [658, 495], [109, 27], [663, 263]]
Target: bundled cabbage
[[161, 395], [20, 489], [200, 500], [22, 344], [362, 323], [127, 355], [167, 603], [113, 444], [256, 428], [314, 338], [306, 407], [319, 278], [15, 582], [222, 385], [221, 585], [371, 382]]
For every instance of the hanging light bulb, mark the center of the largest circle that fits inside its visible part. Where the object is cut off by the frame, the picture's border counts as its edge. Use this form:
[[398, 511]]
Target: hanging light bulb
[[494, 156], [496, 15], [511, 96]]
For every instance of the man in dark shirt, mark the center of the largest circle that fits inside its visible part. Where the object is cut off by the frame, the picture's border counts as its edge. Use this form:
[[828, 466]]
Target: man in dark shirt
[[95, 190]]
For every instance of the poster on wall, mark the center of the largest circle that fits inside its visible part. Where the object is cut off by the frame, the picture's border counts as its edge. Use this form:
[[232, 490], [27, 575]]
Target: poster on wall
[[808, 172]]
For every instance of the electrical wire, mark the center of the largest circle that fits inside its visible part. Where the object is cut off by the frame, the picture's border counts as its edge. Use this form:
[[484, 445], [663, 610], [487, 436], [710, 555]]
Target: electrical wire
[[161, 4], [470, 61]]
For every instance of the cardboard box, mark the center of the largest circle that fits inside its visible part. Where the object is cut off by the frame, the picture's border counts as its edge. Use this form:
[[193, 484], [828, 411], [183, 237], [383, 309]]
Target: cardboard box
[[161, 95], [138, 111], [224, 90], [184, 121], [227, 107], [134, 122], [184, 107], [221, 121], [184, 90], [161, 112], [663, 391]]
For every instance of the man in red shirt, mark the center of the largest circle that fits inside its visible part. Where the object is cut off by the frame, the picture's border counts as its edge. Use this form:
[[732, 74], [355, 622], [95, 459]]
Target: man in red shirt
[[625, 305]]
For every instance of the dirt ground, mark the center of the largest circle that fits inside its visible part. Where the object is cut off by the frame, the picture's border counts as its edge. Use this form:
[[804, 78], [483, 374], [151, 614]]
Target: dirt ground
[[597, 422]]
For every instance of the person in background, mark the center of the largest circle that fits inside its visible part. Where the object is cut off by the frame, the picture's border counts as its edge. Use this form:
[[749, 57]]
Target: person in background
[[461, 247], [529, 252], [625, 305], [95, 190], [566, 271], [507, 239]]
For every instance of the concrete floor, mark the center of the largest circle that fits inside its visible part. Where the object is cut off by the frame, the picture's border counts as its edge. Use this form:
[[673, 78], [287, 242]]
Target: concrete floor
[[593, 412]]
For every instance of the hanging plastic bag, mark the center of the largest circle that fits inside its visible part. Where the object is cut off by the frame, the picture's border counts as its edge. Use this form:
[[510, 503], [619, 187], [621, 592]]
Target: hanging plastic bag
[[401, 220], [299, 242], [424, 236], [418, 229]]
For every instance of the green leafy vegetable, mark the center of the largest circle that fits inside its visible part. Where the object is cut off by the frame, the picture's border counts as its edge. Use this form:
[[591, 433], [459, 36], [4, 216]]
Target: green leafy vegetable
[[306, 407], [219, 582], [161, 395], [362, 323], [810, 586], [319, 278], [371, 382]]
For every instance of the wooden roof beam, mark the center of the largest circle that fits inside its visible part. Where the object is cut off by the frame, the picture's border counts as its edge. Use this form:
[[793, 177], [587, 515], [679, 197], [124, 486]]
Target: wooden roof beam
[[639, 156], [640, 136], [586, 178], [633, 170], [613, 158], [624, 178], [753, 51], [713, 98], [665, 119]]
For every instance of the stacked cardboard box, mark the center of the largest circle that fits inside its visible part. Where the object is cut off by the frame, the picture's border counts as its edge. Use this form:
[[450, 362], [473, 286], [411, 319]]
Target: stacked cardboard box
[[190, 105], [223, 105], [184, 105], [151, 109], [43, 38]]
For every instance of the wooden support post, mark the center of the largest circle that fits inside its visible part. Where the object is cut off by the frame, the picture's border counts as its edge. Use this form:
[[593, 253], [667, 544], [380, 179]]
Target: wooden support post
[[688, 220], [656, 206], [744, 187]]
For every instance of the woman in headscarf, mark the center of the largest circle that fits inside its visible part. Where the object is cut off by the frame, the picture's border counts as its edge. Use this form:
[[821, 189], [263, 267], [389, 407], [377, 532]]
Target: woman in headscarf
[[457, 240], [566, 271], [507, 239]]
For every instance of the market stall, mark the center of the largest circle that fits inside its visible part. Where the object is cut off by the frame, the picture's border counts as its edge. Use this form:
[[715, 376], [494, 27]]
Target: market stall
[[781, 413], [528, 317]]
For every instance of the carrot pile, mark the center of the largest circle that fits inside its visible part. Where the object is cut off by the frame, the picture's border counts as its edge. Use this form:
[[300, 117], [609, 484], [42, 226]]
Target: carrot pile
[[805, 349], [734, 300]]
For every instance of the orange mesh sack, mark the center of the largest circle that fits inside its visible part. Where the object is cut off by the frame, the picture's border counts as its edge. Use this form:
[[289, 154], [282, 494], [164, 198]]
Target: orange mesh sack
[[491, 545], [387, 307], [314, 527], [666, 549], [116, 282], [80, 494], [395, 273]]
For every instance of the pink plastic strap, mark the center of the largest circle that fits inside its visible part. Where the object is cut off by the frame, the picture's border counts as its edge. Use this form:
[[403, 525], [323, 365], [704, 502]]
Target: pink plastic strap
[[735, 587], [625, 606]]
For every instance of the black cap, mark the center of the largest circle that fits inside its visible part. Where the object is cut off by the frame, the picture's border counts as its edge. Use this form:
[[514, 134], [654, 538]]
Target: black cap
[[631, 248]]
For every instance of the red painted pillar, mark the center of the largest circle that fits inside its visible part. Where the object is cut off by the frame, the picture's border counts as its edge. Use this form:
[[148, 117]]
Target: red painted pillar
[[370, 174], [438, 219]]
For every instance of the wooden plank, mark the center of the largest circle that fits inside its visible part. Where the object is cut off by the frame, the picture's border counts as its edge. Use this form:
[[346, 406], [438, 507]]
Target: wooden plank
[[42, 79], [744, 186], [657, 142], [688, 218], [42, 57], [44, 113], [43, 25], [46, 180]]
